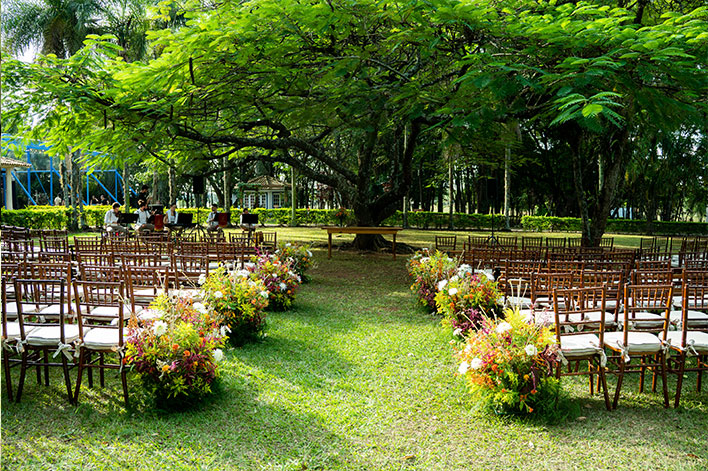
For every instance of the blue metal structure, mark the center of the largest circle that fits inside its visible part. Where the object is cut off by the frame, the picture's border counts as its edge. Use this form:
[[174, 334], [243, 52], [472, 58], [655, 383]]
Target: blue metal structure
[[27, 175]]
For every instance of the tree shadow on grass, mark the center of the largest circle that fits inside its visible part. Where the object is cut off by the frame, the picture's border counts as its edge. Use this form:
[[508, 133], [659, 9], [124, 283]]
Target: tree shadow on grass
[[237, 426]]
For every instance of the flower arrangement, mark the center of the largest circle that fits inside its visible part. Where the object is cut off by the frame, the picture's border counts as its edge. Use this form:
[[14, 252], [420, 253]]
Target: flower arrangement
[[427, 270], [508, 364], [279, 280], [465, 299], [175, 354], [238, 302], [298, 257]]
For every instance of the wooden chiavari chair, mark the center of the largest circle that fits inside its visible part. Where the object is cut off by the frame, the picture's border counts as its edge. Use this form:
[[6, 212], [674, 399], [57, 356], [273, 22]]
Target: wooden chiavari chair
[[101, 322], [531, 243], [580, 337], [446, 244]]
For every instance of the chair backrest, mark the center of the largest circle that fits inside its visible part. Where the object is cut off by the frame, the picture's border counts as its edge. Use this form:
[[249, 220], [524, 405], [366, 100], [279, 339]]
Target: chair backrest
[[639, 299], [696, 265], [555, 242], [89, 245], [140, 259], [97, 273], [506, 242], [531, 243], [607, 242], [193, 248], [143, 284], [619, 256], [478, 241], [90, 295], [238, 238], [54, 257], [40, 292], [576, 266], [54, 243], [106, 259], [445, 243], [543, 283], [652, 277], [653, 265], [186, 270], [573, 308], [695, 288], [574, 242], [269, 240]]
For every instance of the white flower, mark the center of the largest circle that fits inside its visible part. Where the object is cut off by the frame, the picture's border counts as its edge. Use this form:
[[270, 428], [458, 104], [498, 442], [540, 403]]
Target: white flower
[[457, 332], [531, 350], [464, 268], [218, 355], [264, 294], [218, 294], [202, 279], [297, 277], [468, 348], [224, 330], [160, 328], [476, 363], [425, 260], [242, 273], [454, 278], [442, 284], [452, 292], [464, 366], [309, 254], [288, 244], [199, 307], [283, 286], [503, 327]]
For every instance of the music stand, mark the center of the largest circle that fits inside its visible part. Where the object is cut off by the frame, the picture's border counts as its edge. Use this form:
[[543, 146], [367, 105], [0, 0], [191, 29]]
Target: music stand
[[248, 223]]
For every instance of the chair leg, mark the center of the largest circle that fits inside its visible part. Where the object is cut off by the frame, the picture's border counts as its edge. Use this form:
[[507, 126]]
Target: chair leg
[[82, 356], [679, 379], [8, 379], [699, 380], [38, 370], [46, 367], [124, 382], [591, 378], [89, 369], [67, 380], [664, 380], [100, 370], [603, 381], [620, 377], [642, 370], [21, 381]]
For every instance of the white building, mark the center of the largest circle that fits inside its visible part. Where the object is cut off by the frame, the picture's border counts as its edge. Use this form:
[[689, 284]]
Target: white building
[[264, 192]]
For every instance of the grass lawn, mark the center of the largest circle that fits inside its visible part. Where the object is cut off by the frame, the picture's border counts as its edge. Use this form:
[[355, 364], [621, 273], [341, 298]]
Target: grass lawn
[[355, 376]]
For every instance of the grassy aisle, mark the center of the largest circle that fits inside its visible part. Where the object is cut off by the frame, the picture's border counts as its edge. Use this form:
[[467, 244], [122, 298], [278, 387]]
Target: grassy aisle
[[354, 377]]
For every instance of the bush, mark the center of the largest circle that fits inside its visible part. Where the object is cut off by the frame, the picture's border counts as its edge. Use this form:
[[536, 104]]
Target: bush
[[465, 299], [509, 365], [297, 256], [238, 302], [628, 226], [176, 354], [427, 270], [279, 280]]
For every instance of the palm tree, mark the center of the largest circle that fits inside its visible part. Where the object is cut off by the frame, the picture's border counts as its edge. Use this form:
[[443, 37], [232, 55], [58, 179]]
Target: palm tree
[[57, 26]]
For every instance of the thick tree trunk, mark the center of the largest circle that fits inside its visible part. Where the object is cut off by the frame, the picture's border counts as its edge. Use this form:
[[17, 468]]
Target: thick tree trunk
[[172, 186]]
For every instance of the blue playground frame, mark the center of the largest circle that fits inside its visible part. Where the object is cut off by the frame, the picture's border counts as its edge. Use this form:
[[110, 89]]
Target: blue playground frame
[[26, 175]]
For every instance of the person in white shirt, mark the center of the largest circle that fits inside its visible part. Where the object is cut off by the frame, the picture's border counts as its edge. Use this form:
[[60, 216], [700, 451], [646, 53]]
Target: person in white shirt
[[212, 221], [172, 214], [110, 220], [143, 214]]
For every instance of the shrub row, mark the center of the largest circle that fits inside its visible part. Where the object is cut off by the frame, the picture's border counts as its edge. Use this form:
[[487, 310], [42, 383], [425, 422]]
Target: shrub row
[[57, 217], [628, 226]]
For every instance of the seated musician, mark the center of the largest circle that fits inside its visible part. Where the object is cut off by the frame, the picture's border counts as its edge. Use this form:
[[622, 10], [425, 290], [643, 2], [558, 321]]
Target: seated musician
[[143, 215], [212, 220], [110, 220], [245, 226]]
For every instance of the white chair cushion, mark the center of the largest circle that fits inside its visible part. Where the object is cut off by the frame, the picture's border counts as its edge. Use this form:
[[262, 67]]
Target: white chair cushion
[[145, 292], [13, 330], [50, 335], [108, 311], [647, 320], [26, 308], [695, 318], [700, 340], [611, 304], [100, 338], [55, 308], [639, 342], [579, 345], [593, 316]]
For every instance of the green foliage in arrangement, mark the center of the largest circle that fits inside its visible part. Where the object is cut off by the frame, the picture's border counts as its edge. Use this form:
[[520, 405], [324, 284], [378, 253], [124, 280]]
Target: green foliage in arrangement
[[465, 299], [238, 301], [299, 257], [176, 354], [428, 270], [508, 365]]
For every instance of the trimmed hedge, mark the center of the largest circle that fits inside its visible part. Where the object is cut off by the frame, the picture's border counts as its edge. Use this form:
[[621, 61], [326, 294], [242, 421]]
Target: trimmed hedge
[[57, 217], [627, 226]]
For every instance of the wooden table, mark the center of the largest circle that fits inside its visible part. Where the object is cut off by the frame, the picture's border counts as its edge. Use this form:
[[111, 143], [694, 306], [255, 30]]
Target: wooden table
[[360, 230]]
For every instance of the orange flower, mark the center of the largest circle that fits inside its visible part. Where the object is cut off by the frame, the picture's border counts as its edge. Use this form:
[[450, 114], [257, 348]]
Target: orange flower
[[165, 368], [175, 347], [186, 353], [530, 409]]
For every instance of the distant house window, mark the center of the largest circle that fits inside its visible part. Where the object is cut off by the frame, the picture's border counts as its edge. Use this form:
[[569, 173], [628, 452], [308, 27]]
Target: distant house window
[[249, 201], [276, 200], [263, 200]]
